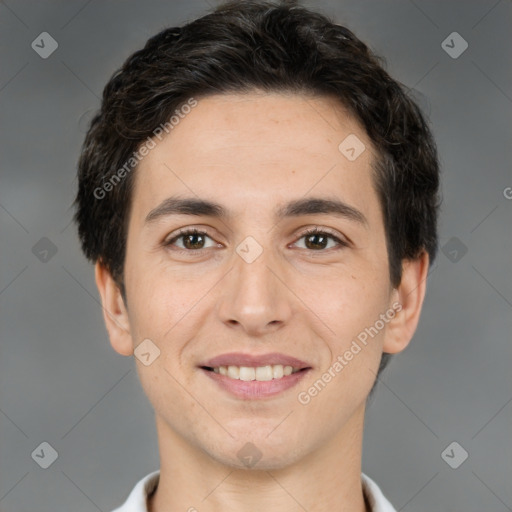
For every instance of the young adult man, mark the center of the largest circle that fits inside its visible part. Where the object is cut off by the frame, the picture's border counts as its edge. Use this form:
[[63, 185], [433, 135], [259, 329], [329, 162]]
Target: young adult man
[[260, 201]]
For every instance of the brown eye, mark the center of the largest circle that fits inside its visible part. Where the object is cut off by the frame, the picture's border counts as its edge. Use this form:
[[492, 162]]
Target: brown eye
[[317, 240], [192, 240]]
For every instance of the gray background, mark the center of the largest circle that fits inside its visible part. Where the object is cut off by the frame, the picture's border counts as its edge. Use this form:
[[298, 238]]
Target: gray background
[[61, 382]]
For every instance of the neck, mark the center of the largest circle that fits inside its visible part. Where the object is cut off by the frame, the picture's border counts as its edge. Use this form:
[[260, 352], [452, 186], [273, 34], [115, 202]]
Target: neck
[[192, 480]]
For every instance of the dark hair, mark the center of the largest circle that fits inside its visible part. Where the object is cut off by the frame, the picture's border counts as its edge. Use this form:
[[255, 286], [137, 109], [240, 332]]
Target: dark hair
[[243, 46]]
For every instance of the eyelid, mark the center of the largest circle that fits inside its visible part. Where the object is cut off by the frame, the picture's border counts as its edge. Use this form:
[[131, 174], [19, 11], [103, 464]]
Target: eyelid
[[342, 240]]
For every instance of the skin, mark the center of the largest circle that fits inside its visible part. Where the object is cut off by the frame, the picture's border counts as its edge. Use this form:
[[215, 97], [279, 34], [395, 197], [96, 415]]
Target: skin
[[252, 153]]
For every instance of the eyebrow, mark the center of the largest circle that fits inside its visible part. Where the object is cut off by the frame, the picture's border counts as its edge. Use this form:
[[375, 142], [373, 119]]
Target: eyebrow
[[306, 206]]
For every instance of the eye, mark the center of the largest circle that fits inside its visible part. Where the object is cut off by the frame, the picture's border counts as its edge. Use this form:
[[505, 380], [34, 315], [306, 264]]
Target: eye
[[192, 239], [317, 239]]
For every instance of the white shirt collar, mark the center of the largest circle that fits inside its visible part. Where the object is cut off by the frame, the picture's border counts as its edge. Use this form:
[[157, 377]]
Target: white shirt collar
[[137, 500]]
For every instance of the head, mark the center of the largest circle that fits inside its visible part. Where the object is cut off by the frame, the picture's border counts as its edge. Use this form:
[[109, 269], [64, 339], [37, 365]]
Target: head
[[248, 107]]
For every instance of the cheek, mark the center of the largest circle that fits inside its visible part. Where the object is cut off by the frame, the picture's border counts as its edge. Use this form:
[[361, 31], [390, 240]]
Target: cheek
[[349, 307], [348, 299], [158, 301]]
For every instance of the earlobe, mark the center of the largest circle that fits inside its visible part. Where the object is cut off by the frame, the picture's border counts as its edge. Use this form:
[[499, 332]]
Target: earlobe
[[114, 311], [409, 297]]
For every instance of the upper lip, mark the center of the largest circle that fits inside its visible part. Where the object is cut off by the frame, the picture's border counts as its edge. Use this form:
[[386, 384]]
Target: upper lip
[[240, 359]]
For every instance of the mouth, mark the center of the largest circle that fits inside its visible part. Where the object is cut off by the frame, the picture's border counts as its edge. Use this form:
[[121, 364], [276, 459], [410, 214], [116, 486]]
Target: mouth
[[259, 373], [254, 376]]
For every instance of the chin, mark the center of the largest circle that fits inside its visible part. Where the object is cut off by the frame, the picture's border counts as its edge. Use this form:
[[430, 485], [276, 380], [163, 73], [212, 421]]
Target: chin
[[265, 462], [263, 452]]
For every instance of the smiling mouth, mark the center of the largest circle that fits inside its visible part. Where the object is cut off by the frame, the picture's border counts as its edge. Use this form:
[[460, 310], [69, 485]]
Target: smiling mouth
[[258, 373]]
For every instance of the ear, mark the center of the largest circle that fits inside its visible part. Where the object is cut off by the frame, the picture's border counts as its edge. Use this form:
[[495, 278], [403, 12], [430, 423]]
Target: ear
[[408, 299], [115, 313]]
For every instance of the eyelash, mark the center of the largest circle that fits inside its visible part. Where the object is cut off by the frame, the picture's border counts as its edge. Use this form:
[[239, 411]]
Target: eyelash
[[311, 231]]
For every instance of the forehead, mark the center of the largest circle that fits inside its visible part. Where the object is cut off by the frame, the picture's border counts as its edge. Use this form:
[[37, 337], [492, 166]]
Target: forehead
[[259, 148]]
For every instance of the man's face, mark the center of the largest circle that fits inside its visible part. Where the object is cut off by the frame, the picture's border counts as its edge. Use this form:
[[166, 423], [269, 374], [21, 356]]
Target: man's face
[[254, 283]]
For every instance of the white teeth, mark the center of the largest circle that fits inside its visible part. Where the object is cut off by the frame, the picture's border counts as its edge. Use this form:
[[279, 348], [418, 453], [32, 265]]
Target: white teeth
[[264, 373], [278, 371], [233, 372], [247, 373], [260, 373]]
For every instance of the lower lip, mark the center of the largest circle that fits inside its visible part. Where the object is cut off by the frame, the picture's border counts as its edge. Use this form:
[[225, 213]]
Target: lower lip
[[254, 389]]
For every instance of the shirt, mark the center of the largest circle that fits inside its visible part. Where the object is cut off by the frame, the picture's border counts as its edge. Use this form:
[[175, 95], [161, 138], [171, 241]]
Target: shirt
[[137, 499]]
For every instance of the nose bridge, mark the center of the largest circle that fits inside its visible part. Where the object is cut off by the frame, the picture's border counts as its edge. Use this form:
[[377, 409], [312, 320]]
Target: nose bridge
[[253, 296]]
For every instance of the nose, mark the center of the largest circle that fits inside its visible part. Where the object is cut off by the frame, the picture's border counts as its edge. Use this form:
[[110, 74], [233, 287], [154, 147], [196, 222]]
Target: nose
[[255, 297]]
